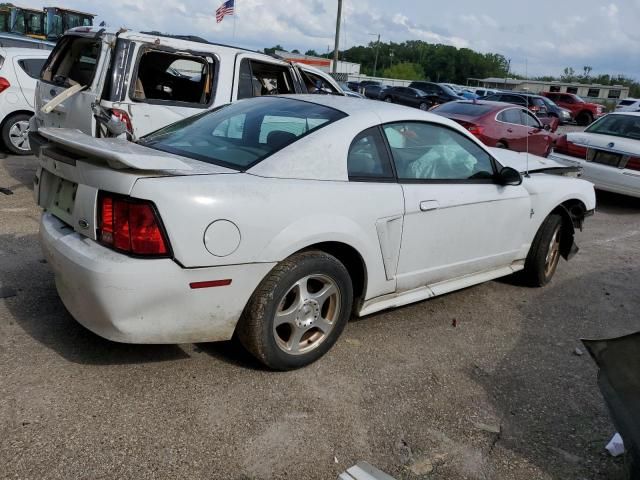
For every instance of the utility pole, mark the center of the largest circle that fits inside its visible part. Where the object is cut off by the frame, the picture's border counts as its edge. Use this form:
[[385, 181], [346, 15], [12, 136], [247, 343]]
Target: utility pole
[[375, 62], [337, 43]]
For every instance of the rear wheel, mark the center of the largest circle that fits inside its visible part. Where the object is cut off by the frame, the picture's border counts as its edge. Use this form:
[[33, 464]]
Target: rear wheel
[[298, 311], [584, 118], [423, 106], [501, 145], [388, 99], [544, 255], [15, 134]]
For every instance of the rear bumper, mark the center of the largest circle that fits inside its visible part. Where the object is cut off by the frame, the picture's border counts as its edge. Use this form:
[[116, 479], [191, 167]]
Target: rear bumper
[[144, 300], [610, 179]]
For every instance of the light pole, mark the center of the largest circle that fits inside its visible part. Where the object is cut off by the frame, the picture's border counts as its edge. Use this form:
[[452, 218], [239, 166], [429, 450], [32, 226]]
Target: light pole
[[337, 43], [375, 62]]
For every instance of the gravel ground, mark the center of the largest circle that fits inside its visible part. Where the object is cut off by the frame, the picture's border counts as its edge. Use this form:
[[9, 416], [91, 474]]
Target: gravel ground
[[478, 384]]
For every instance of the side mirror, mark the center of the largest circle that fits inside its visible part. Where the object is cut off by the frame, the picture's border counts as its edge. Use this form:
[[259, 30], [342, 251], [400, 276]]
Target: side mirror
[[509, 176]]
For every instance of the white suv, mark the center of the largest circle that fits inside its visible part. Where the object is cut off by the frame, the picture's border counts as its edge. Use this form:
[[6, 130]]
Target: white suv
[[19, 71], [628, 105]]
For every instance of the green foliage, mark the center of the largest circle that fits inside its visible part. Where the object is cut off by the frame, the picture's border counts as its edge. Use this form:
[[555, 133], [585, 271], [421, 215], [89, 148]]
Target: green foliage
[[440, 63], [404, 71], [570, 75], [271, 51]]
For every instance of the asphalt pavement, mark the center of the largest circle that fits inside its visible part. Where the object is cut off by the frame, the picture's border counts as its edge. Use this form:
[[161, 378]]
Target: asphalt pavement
[[483, 383]]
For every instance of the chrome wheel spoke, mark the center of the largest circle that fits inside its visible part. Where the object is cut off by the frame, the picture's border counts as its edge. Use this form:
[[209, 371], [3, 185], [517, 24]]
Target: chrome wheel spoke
[[324, 325], [326, 292], [286, 317], [296, 337]]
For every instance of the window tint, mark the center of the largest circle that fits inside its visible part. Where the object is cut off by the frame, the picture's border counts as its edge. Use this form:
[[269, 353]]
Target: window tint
[[423, 151], [511, 115], [261, 78], [172, 77], [626, 103], [528, 119], [241, 134], [368, 157], [32, 66]]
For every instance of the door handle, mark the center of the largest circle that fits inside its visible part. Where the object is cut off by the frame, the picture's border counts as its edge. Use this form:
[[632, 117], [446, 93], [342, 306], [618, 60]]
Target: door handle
[[429, 205], [509, 130]]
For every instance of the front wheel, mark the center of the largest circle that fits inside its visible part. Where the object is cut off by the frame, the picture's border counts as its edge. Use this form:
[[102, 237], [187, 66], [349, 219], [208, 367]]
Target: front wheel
[[388, 99], [423, 106], [298, 311], [584, 119], [544, 255]]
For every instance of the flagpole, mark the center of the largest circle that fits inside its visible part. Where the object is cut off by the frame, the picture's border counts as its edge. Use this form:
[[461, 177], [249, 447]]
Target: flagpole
[[235, 13]]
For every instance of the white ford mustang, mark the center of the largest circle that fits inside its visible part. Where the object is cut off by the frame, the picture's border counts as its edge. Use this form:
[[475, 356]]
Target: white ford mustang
[[608, 152], [275, 218]]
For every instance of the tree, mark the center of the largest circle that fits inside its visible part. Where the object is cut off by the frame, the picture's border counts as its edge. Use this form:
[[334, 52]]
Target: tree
[[272, 50], [295, 50], [568, 75], [404, 71], [312, 53]]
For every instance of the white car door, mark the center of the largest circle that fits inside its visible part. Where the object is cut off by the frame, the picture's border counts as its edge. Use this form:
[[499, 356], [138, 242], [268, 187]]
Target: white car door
[[458, 220], [27, 70]]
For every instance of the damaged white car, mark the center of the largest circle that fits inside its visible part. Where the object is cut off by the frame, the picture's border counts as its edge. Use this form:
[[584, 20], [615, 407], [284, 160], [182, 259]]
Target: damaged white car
[[107, 82], [275, 218]]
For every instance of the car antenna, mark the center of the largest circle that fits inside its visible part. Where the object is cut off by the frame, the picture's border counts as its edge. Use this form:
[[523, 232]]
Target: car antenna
[[526, 75]]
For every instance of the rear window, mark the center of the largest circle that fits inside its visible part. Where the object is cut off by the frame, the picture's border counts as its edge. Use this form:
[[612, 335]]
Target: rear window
[[73, 61], [467, 109], [626, 103], [627, 126], [32, 66], [242, 134]]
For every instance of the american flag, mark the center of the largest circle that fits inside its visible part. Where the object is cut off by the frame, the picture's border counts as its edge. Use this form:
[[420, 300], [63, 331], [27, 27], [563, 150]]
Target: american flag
[[225, 9]]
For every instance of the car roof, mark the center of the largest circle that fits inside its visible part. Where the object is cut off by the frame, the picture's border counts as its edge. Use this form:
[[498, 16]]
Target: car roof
[[495, 105]]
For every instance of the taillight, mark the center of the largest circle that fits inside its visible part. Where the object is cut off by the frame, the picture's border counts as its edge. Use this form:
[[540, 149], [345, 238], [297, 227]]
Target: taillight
[[130, 226], [124, 118], [4, 84], [568, 148], [476, 130], [633, 163]]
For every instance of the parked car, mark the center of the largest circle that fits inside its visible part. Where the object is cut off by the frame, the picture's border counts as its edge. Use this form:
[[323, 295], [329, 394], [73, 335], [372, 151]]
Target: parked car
[[501, 125], [468, 94], [483, 92], [372, 90], [628, 105], [278, 246], [538, 104], [445, 94], [19, 69], [353, 86], [350, 93], [15, 40], [582, 112], [608, 151], [140, 82], [410, 97]]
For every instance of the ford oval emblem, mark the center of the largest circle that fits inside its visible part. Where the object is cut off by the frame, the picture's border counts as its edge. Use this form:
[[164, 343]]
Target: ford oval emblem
[[611, 145], [83, 223]]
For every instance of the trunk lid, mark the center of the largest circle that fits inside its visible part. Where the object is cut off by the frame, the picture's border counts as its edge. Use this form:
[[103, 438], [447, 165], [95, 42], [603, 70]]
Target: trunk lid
[[74, 167]]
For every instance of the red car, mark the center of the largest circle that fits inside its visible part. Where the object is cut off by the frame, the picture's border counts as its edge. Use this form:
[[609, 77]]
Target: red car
[[502, 125], [582, 112]]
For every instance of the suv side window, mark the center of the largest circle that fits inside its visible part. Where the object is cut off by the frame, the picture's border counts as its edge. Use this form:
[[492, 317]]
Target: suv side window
[[164, 76], [32, 66], [368, 159], [261, 78], [428, 152]]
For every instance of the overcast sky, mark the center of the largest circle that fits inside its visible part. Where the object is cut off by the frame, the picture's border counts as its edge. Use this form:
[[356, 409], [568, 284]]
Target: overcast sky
[[540, 37]]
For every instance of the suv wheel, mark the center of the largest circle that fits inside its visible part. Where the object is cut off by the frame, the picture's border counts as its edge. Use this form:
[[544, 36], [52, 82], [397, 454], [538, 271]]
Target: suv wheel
[[15, 134], [584, 119], [298, 311]]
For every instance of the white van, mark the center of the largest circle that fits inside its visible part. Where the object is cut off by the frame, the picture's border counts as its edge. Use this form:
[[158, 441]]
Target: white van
[[104, 81]]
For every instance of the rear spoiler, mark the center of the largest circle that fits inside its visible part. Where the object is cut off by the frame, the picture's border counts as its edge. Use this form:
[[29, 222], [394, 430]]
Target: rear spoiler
[[118, 153]]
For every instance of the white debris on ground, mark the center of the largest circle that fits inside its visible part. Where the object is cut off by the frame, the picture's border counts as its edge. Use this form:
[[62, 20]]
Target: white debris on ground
[[615, 446]]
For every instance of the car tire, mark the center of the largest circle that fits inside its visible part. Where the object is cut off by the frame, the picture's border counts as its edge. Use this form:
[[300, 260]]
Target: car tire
[[388, 99], [15, 132], [544, 254], [501, 145], [584, 119], [423, 106], [288, 323]]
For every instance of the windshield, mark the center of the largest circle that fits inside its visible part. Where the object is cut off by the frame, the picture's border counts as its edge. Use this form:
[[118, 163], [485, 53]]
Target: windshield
[[467, 109], [627, 126], [449, 90], [242, 134], [578, 99]]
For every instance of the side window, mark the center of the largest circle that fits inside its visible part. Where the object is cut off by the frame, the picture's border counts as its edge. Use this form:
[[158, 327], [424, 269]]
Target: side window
[[32, 66], [170, 77], [423, 152], [315, 82], [367, 159], [281, 130], [566, 99], [511, 115], [232, 128], [528, 119], [262, 78]]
